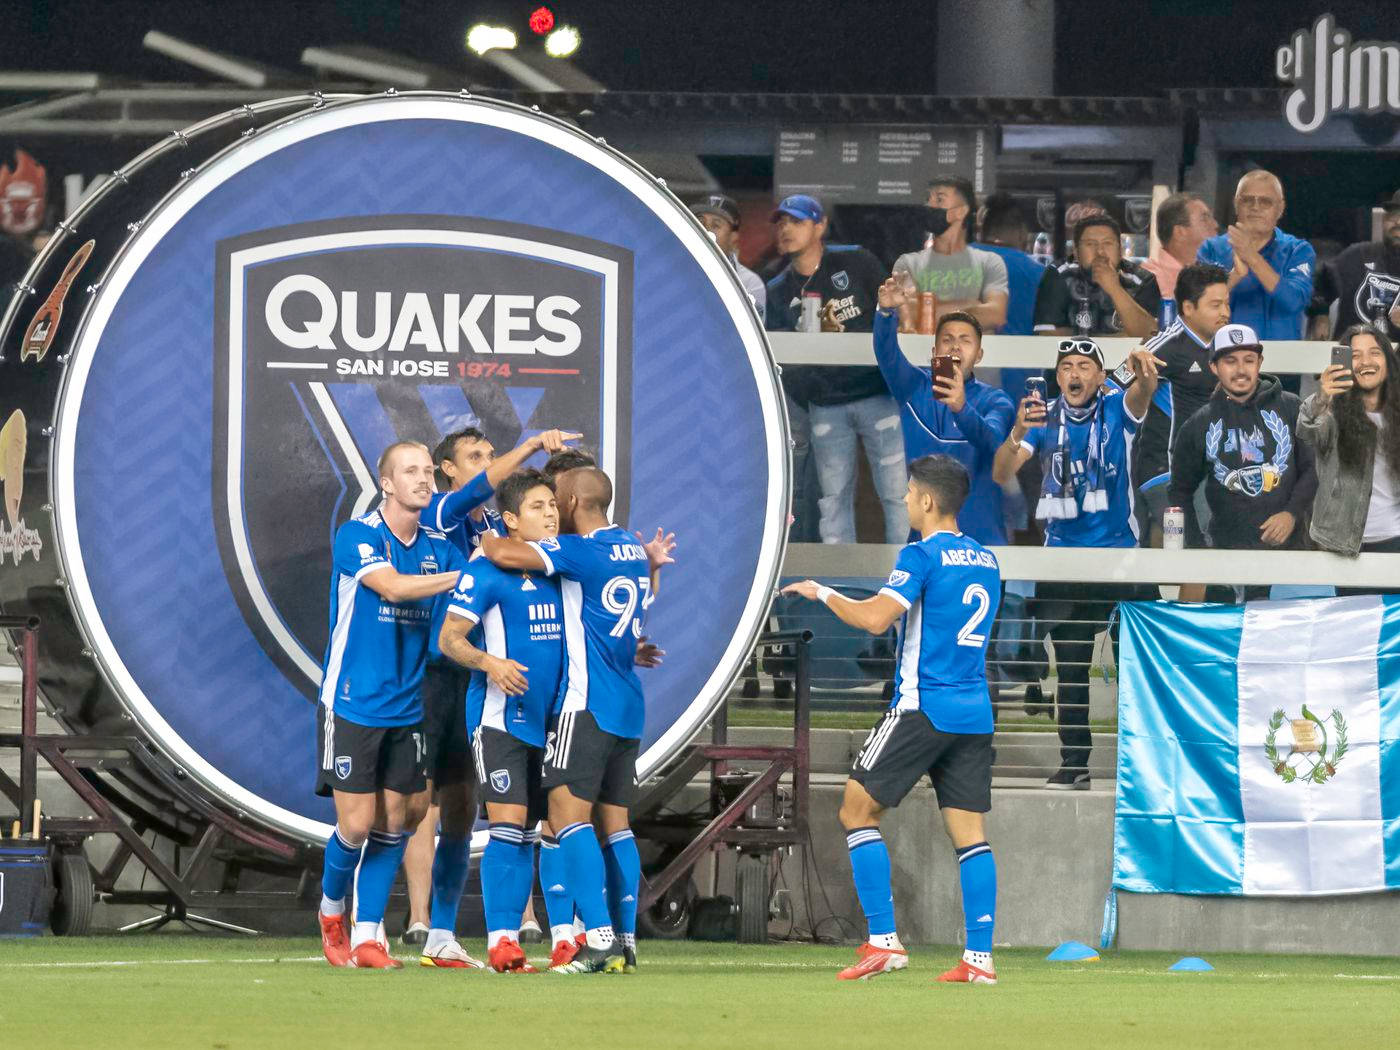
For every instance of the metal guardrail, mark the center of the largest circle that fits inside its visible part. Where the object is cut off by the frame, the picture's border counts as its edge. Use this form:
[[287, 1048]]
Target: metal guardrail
[[1302, 357]]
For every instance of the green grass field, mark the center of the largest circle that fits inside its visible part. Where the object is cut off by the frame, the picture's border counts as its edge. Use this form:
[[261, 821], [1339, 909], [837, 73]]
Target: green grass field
[[197, 991]]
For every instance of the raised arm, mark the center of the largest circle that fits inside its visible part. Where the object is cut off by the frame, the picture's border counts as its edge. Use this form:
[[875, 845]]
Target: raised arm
[[1011, 453], [549, 441], [903, 379], [1137, 399], [875, 615]]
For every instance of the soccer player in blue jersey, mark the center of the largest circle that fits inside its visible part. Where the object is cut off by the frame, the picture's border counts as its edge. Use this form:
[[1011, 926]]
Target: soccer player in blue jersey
[[436, 861], [945, 588], [388, 568], [608, 578], [521, 630]]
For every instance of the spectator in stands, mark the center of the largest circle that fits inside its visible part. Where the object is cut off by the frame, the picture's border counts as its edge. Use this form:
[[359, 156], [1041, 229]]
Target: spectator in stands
[[1037, 293], [1364, 282], [1184, 223], [1353, 424], [838, 403], [1271, 272], [960, 417], [1108, 295], [1183, 347], [1082, 439], [720, 215], [966, 279], [1260, 480]]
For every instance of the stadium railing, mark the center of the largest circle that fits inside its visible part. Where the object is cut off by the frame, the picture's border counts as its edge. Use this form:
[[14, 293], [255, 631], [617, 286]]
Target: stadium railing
[[847, 670]]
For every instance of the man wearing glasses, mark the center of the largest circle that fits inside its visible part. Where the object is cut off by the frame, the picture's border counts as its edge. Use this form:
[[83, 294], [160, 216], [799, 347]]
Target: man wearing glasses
[[1271, 272]]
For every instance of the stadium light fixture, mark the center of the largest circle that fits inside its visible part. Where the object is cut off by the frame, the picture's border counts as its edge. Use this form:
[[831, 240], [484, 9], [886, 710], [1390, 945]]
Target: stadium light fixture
[[562, 43], [482, 38]]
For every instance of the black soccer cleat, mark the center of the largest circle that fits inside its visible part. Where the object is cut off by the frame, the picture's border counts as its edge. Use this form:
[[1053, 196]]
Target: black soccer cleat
[[629, 960], [594, 960]]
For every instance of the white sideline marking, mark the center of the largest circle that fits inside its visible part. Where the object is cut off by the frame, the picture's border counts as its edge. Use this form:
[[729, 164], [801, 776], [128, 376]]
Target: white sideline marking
[[96, 963]]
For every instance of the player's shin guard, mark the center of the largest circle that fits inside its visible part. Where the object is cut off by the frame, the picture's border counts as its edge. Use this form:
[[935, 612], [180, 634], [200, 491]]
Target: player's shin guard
[[375, 880], [450, 862], [624, 873], [558, 901], [870, 866], [339, 868], [977, 869], [500, 878], [583, 862]]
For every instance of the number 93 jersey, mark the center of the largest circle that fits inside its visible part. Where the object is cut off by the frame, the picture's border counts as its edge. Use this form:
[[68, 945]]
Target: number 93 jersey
[[950, 587], [605, 581]]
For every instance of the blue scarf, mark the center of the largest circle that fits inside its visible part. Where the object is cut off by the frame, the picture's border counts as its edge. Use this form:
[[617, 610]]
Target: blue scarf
[[1057, 499]]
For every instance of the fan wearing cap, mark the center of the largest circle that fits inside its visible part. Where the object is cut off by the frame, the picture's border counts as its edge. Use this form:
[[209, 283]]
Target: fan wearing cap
[[1084, 441], [1243, 444], [840, 403], [1364, 282], [720, 216]]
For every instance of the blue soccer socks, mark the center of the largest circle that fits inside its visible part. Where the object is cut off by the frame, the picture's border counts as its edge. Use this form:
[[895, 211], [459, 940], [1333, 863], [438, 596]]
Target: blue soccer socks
[[624, 876], [977, 870], [583, 862], [374, 881], [870, 866], [558, 901], [341, 861], [450, 862]]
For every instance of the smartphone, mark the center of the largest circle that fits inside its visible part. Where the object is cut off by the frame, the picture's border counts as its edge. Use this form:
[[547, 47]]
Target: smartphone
[[1035, 387], [1341, 355], [943, 367], [1124, 375]]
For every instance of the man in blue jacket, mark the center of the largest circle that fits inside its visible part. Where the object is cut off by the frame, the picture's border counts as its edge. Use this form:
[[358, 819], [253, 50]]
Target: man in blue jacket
[[1271, 272], [960, 417]]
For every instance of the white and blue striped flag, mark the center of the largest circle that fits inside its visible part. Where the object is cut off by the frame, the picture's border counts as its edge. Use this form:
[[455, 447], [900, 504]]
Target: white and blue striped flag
[[1259, 748]]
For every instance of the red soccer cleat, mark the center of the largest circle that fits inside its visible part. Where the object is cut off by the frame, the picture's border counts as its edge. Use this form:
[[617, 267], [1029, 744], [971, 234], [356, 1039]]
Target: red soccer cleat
[[966, 973], [372, 956], [335, 939], [563, 953], [508, 957], [872, 961]]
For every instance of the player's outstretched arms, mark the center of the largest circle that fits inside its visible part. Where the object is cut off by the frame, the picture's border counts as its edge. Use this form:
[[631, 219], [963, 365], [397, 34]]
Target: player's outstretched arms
[[876, 615], [506, 675], [394, 586], [548, 441], [648, 653], [512, 554]]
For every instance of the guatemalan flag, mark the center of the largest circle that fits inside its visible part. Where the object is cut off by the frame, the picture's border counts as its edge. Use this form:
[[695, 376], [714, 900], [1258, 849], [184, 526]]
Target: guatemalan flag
[[1259, 748]]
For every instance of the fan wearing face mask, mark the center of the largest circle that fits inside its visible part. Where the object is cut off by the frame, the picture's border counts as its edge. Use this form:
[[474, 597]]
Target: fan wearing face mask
[[966, 279]]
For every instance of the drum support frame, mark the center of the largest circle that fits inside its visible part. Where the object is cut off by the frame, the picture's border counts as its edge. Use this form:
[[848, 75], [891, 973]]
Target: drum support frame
[[78, 761]]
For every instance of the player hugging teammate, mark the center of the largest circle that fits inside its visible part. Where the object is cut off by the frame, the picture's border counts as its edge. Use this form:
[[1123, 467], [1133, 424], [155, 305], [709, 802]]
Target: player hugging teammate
[[396, 715]]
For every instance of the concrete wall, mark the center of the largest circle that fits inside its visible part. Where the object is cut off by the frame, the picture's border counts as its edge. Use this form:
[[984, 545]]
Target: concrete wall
[[1054, 865]]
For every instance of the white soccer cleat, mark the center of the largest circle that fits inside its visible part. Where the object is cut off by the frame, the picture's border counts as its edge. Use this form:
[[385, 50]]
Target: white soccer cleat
[[450, 956]]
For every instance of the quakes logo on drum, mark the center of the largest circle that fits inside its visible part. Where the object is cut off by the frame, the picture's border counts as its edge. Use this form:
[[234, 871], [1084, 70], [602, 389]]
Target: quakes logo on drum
[[334, 339]]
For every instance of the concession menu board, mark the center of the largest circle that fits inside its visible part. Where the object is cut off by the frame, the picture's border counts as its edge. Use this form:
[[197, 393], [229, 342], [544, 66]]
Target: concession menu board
[[880, 164]]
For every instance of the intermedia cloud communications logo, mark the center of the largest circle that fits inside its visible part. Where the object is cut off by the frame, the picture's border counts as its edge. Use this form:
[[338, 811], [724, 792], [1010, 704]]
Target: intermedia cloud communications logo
[[334, 339]]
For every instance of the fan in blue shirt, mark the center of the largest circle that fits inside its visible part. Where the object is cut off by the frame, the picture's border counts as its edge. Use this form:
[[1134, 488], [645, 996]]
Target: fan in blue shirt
[[962, 417], [945, 588], [1271, 272], [608, 578], [1084, 439]]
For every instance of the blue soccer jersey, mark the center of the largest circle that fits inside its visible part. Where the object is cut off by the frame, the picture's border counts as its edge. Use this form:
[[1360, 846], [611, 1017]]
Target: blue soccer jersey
[[377, 649], [606, 587], [1110, 430], [950, 587], [519, 618], [450, 513]]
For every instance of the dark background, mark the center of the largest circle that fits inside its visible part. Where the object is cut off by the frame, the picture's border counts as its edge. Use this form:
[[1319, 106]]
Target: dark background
[[1102, 47]]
